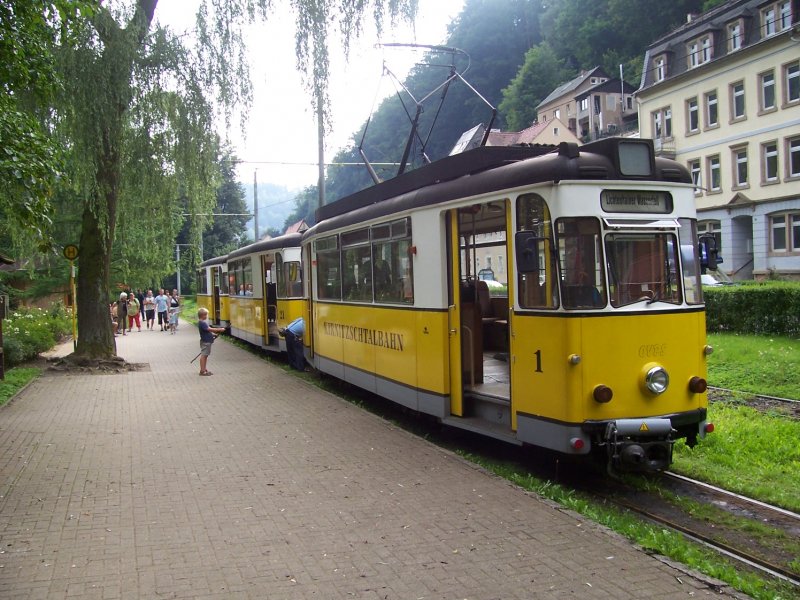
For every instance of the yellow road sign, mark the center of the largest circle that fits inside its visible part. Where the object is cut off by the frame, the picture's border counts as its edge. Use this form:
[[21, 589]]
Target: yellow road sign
[[71, 252]]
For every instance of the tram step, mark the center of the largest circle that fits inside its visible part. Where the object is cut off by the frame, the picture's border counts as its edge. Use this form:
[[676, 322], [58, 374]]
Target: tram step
[[491, 408], [484, 427]]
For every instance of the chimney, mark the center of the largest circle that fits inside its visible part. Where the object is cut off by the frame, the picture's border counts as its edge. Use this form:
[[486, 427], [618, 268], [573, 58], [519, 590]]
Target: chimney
[[690, 17]]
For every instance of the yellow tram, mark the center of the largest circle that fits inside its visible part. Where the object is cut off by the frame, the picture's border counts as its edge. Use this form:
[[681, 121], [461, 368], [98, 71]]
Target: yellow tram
[[594, 343], [212, 290], [537, 295], [266, 290]]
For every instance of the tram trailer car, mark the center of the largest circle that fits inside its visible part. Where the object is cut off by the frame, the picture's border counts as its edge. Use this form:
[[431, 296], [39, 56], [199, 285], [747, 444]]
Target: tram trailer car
[[212, 290], [595, 343], [266, 290]]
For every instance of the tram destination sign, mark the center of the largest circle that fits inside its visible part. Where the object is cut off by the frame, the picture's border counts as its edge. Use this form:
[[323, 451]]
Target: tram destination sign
[[635, 201]]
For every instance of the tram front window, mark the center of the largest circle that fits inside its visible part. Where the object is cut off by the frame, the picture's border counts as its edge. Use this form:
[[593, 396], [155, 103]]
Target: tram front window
[[583, 282], [643, 266]]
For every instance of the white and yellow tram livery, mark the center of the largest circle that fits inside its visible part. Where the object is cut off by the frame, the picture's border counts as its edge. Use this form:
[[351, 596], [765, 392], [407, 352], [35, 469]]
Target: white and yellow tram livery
[[266, 290], [536, 295], [212, 290]]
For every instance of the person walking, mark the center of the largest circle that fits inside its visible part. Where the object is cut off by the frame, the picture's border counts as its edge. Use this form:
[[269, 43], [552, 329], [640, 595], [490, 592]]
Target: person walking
[[162, 304], [140, 298], [122, 312], [133, 312], [174, 309], [207, 336], [150, 309], [294, 343]]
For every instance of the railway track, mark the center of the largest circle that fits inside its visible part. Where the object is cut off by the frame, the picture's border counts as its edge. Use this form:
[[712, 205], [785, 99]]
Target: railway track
[[730, 537], [786, 406]]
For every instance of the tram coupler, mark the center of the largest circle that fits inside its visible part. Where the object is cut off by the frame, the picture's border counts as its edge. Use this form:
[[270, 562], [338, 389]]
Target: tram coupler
[[639, 445]]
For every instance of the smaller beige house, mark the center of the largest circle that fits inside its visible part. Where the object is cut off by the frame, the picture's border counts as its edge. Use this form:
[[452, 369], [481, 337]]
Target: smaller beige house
[[561, 103]]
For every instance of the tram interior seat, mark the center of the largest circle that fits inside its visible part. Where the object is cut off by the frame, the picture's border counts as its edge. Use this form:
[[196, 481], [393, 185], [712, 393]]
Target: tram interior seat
[[494, 319]]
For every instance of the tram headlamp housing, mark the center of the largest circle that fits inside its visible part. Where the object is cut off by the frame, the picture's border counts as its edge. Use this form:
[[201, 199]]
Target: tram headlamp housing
[[656, 379]]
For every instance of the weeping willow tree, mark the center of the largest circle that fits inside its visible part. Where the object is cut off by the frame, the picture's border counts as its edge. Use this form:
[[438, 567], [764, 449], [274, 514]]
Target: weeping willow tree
[[138, 114]]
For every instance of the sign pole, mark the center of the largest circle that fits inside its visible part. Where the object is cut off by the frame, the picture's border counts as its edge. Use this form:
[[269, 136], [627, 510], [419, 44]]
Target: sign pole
[[71, 253]]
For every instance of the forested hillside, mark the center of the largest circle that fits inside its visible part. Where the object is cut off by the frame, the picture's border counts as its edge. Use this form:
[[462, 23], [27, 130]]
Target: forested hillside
[[519, 51]]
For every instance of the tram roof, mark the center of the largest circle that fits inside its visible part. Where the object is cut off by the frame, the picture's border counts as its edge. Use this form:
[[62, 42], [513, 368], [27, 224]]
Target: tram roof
[[487, 169], [291, 240], [217, 260]]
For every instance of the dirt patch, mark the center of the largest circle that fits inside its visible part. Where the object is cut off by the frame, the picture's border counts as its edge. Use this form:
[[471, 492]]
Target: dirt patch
[[104, 366]]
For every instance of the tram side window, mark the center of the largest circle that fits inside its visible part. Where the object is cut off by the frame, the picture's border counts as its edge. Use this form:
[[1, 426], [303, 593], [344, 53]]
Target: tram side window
[[537, 283], [691, 261], [202, 282], [356, 266], [235, 276], [329, 281], [392, 267], [247, 276], [292, 279], [223, 281], [583, 283]]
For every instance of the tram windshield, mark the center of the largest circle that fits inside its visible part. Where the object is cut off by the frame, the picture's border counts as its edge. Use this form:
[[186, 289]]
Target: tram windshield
[[643, 267]]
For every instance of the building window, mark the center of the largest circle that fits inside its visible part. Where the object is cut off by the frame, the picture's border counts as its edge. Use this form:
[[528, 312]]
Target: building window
[[584, 104], [714, 175], [699, 51], [767, 88], [692, 115], [791, 77], [711, 228], [768, 24], [555, 131], [712, 114], [769, 166], [785, 10], [694, 168], [739, 156], [785, 232], [735, 36], [662, 123], [737, 101], [705, 52], [661, 68], [793, 158], [557, 113]]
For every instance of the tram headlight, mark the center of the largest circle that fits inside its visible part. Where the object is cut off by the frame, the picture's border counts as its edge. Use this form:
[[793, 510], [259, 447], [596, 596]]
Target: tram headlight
[[656, 380]]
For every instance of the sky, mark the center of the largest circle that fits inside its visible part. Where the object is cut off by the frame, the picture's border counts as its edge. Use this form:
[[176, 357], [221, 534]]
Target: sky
[[282, 127]]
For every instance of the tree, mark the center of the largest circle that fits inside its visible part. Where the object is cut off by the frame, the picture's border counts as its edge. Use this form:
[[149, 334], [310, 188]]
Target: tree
[[539, 75], [227, 233], [305, 203], [138, 116], [30, 161], [496, 36]]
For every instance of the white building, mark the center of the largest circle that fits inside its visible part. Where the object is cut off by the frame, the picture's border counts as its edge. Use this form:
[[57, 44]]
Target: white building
[[722, 95]]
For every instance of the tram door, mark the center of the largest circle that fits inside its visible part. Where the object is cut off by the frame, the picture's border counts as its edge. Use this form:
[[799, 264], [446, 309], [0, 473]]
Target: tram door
[[270, 299], [215, 276], [479, 312]]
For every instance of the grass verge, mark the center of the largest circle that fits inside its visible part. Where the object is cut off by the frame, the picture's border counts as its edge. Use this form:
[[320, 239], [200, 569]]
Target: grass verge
[[755, 364], [15, 380], [652, 538], [750, 452]]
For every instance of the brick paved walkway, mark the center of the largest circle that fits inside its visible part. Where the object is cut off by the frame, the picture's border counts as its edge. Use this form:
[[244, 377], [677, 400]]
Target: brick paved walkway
[[254, 484]]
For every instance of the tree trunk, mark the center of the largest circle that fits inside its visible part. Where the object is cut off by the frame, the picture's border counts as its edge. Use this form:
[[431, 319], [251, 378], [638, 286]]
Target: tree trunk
[[95, 334]]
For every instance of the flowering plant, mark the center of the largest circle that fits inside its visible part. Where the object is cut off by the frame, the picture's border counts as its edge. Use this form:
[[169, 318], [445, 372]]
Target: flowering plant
[[29, 331]]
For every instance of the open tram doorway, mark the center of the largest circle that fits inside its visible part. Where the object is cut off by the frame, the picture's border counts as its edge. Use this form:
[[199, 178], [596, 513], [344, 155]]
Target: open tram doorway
[[480, 299]]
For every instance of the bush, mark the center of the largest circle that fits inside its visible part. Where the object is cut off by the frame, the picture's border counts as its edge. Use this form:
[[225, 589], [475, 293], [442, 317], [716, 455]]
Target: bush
[[29, 331], [762, 308]]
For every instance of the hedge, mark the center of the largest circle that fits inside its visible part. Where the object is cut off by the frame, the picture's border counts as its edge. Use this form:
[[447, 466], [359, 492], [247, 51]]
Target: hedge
[[762, 308]]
